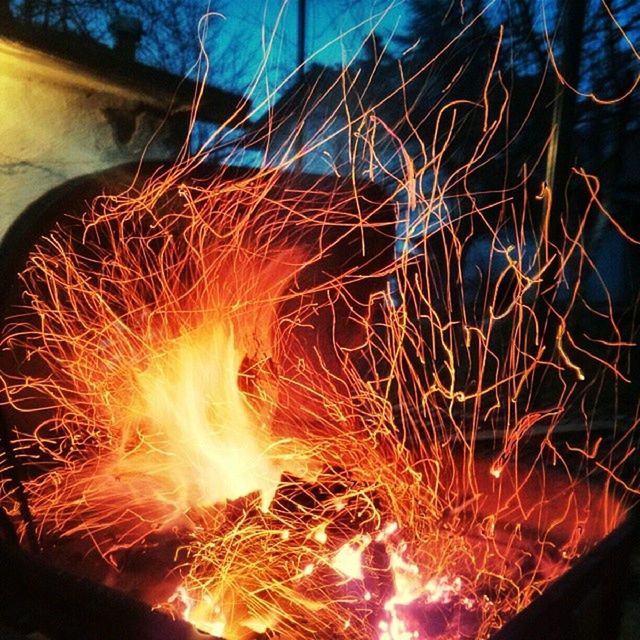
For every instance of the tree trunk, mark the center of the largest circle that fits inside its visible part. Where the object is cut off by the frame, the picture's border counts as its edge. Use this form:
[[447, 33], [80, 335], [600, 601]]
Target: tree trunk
[[561, 152], [557, 206]]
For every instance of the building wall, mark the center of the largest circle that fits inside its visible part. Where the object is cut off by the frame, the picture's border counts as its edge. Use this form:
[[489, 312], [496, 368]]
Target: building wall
[[57, 122]]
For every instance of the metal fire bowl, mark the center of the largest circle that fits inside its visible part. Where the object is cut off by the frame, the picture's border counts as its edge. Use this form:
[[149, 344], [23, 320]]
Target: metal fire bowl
[[586, 603], [592, 599], [39, 602]]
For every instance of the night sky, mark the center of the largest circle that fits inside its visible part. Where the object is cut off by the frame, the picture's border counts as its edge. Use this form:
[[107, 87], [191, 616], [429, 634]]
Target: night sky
[[335, 32]]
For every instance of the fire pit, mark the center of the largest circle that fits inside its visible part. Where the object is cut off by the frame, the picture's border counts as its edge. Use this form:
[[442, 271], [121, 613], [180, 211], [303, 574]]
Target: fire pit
[[230, 397], [36, 597]]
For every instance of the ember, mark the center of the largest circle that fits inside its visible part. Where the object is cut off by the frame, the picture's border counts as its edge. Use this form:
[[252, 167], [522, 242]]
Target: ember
[[268, 410]]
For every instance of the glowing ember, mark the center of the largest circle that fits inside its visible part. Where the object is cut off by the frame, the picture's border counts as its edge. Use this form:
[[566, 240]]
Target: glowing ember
[[348, 561]]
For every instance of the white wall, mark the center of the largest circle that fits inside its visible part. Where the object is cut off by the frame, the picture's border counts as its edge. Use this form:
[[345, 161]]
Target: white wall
[[53, 127]]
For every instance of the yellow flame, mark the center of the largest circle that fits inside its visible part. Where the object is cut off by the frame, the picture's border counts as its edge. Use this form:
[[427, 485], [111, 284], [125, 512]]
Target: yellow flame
[[213, 444], [204, 614], [348, 561]]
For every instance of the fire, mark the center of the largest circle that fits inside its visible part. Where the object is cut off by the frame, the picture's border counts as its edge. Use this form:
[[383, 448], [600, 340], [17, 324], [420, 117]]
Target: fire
[[212, 442], [204, 614], [277, 389], [348, 561], [183, 397]]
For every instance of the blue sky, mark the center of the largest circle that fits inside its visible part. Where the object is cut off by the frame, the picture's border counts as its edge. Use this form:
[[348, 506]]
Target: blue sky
[[335, 31]]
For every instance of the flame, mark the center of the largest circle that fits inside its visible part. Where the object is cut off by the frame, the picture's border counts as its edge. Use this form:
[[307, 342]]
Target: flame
[[205, 614], [183, 413], [348, 560], [214, 446]]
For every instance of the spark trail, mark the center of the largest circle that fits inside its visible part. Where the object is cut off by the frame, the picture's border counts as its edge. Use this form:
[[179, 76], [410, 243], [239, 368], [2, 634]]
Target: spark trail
[[291, 387]]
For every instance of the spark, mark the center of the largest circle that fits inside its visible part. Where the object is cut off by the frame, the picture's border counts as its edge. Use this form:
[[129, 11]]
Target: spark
[[319, 450]]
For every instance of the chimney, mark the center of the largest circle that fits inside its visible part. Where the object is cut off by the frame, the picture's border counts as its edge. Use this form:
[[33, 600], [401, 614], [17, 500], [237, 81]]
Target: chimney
[[127, 31]]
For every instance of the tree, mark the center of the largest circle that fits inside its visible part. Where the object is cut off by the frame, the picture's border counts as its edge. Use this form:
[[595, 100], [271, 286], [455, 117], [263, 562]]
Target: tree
[[452, 47], [170, 35], [570, 89]]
